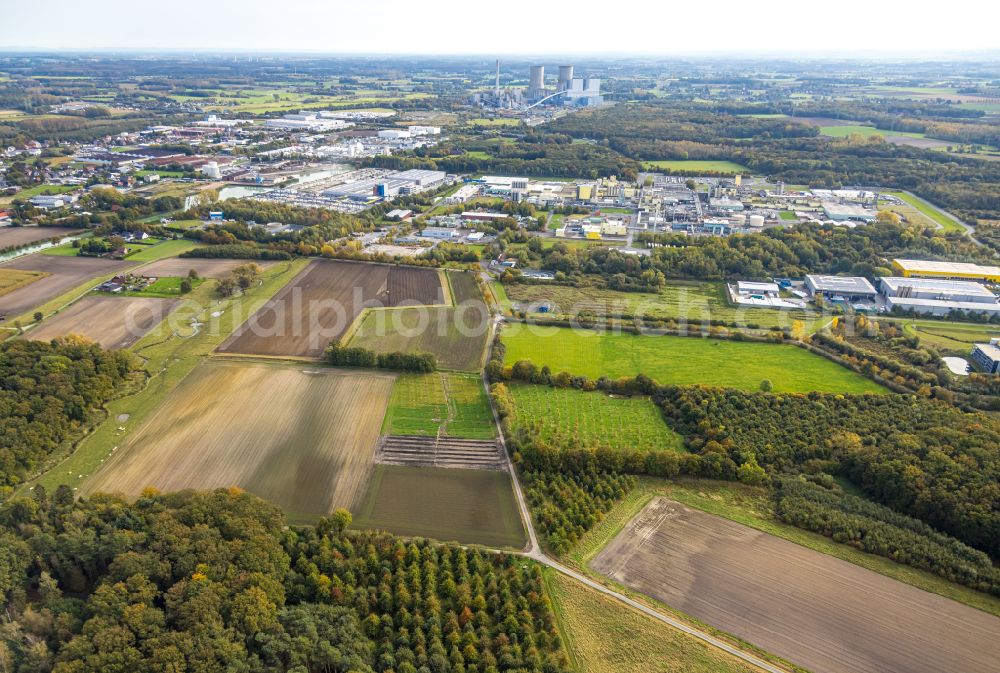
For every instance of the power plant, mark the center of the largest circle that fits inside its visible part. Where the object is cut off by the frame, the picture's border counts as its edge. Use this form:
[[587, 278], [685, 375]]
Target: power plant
[[569, 91]]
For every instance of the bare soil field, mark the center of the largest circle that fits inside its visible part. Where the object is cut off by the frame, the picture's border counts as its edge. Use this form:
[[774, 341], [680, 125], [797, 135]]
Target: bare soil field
[[64, 273], [11, 237], [322, 302], [410, 285], [206, 268], [113, 322], [924, 143], [301, 438], [468, 506], [814, 610]]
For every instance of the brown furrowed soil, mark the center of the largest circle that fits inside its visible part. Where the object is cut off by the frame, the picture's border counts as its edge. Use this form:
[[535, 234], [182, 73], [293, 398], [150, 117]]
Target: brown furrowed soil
[[301, 438], [113, 322], [814, 610], [206, 268], [64, 273], [321, 303], [469, 506], [18, 236]]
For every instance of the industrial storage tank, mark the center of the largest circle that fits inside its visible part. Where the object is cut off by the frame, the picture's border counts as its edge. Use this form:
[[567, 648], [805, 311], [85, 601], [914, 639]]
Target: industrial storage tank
[[565, 76], [756, 220]]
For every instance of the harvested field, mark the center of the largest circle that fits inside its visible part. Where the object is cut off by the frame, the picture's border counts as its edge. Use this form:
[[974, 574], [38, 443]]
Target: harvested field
[[321, 303], [814, 610], [455, 335], [15, 237], [468, 506], [303, 439], [410, 286], [113, 322], [15, 279], [64, 273], [206, 268]]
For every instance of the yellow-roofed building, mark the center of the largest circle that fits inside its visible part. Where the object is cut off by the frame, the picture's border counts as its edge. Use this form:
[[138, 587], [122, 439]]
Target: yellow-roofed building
[[931, 269]]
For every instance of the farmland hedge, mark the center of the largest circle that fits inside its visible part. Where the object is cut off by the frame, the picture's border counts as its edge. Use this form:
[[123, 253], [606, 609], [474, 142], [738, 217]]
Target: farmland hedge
[[365, 357], [237, 251], [877, 529]]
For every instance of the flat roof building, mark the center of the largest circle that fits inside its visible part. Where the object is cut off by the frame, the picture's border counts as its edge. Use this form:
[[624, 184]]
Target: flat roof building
[[850, 288], [748, 287], [931, 269], [842, 212], [941, 307], [438, 232], [936, 288], [987, 356]]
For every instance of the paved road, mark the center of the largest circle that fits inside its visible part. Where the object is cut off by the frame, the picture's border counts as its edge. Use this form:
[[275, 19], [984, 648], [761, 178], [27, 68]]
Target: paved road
[[534, 552]]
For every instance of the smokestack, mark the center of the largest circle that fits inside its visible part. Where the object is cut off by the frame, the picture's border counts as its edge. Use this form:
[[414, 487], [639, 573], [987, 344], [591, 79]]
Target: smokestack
[[496, 89]]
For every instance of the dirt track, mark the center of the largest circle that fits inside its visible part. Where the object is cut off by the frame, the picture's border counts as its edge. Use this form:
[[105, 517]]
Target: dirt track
[[819, 612], [113, 322], [206, 268], [65, 273]]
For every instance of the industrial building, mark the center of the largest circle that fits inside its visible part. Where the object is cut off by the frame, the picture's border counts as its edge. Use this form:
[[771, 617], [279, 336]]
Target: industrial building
[[938, 307], [931, 269], [845, 212], [987, 356], [439, 232], [840, 288], [937, 289]]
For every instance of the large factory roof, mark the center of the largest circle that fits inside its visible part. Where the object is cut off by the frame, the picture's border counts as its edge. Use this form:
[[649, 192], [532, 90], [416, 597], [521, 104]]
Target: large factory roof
[[845, 284], [939, 285], [948, 269]]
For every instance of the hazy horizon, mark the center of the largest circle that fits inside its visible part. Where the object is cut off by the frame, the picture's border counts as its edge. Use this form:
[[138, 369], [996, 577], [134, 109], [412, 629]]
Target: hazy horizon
[[777, 28]]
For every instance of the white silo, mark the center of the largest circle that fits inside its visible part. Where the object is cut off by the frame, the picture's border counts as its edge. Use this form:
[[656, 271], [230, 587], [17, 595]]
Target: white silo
[[756, 220]]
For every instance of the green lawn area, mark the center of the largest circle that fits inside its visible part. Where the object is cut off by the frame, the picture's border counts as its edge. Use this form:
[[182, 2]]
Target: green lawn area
[[950, 336], [478, 154], [788, 216], [452, 404], [866, 131], [38, 190], [167, 287], [65, 250], [171, 248], [928, 211], [568, 415], [693, 166], [557, 221], [687, 300], [674, 360], [602, 635], [754, 507]]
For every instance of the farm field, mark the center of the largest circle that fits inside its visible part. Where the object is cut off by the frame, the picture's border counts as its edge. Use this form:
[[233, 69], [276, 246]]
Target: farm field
[[814, 610], [113, 322], [603, 636], [15, 279], [674, 360], [467, 506], [755, 507], [64, 274], [844, 130], [453, 405], [15, 237], [206, 268], [592, 418], [303, 439], [455, 335], [690, 301], [163, 250], [692, 165], [321, 303]]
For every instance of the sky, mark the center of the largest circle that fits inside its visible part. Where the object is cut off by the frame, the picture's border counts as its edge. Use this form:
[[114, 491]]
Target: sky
[[438, 27]]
